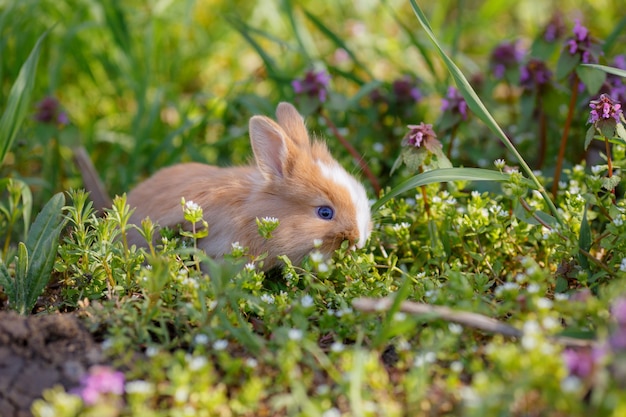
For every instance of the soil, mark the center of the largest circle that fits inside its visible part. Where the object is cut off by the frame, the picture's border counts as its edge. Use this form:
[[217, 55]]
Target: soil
[[38, 352]]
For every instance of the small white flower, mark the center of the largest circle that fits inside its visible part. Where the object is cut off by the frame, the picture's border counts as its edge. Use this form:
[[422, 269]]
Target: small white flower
[[399, 316], [550, 323], [622, 266], [571, 384], [317, 243], [317, 257], [618, 221], [212, 304], [337, 347], [267, 298], [323, 267], [220, 344], [562, 185], [475, 194], [343, 312], [270, 220], [455, 328], [561, 296], [251, 363], [295, 334], [424, 358], [191, 206], [306, 301], [596, 169], [201, 339], [236, 246], [543, 303], [456, 366], [250, 267], [378, 147], [197, 362], [499, 163], [332, 412], [139, 387], [152, 351], [533, 288]]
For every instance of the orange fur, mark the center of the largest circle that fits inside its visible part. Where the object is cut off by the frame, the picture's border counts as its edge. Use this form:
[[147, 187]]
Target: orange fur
[[286, 183]]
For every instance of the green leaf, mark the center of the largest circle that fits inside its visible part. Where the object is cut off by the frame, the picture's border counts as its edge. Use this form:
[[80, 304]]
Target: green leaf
[[591, 132], [445, 175], [592, 78], [607, 69], [42, 244], [566, 64], [18, 101], [584, 240], [620, 131], [19, 303], [537, 217]]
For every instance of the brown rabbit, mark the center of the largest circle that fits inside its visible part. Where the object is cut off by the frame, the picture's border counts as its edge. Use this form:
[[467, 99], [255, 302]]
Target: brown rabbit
[[294, 180]]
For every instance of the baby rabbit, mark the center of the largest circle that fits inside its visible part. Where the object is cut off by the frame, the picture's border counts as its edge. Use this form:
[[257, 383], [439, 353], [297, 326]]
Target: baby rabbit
[[294, 180]]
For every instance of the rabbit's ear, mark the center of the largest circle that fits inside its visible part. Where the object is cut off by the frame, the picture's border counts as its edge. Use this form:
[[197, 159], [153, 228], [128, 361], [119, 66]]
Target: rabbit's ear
[[270, 147], [293, 124]]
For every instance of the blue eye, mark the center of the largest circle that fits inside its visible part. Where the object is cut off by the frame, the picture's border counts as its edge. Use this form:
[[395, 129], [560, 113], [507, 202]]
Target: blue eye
[[325, 212]]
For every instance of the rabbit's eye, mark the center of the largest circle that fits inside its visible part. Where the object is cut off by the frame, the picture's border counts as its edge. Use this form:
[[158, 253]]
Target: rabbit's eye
[[325, 212]]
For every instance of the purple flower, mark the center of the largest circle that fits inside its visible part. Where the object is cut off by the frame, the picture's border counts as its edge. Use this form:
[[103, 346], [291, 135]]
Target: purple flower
[[314, 84], [422, 136], [454, 103], [618, 310], [405, 90], [49, 111], [100, 380], [505, 56], [535, 75], [581, 362], [554, 29], [604, 108], [582, 44]]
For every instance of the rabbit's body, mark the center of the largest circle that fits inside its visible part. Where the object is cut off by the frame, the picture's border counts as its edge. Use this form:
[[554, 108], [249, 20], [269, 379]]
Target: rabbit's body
[[297, 182]]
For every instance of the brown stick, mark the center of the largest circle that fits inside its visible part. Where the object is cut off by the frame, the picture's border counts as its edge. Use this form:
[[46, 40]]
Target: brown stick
[[466, 318], [568, 122]]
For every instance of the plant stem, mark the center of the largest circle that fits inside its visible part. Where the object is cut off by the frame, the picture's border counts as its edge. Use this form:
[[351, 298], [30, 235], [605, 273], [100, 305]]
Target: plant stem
[[568, 122], [608, 158], [355, 154]]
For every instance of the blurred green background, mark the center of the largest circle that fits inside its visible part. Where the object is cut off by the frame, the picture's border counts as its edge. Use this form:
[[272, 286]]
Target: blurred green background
[[145, 84]]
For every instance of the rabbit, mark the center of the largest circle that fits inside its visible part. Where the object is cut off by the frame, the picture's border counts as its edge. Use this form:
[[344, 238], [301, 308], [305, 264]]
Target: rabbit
[[294, 180]]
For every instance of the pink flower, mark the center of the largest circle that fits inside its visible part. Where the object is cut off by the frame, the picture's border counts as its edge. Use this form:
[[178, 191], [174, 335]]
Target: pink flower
[[100, 380], [604, 108], [422, 136]]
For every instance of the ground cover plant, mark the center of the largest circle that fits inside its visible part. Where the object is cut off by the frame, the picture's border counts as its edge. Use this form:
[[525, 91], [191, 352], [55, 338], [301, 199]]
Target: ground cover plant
[[494, 279]]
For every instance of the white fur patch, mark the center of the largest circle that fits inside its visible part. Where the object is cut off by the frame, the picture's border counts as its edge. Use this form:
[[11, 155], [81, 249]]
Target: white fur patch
[[358, 196]]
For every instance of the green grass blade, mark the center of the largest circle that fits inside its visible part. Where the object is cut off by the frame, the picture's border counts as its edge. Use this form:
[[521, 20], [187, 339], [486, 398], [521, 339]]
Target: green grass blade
[[584, 240], [444, 175], [19, 100], [479, 109], [246, 32], [609, 70], [338, 42], [42, 244], [20, 303]]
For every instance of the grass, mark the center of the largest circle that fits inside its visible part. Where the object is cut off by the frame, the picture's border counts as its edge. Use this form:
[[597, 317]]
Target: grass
[[481, 290]]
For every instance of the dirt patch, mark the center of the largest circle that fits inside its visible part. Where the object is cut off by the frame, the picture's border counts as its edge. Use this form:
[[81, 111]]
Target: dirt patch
[[38, 352]]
